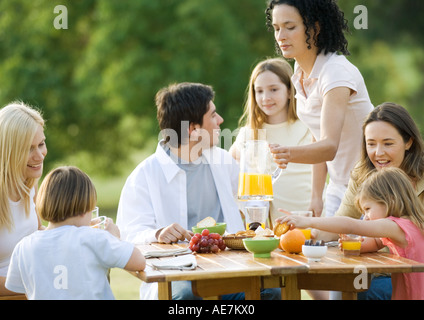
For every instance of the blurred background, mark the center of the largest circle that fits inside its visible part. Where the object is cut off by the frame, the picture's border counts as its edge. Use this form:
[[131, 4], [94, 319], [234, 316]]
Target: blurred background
[[95, 81]]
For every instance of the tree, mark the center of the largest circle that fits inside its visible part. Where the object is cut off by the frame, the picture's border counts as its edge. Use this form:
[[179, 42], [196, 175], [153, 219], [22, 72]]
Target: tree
[[96, 80]]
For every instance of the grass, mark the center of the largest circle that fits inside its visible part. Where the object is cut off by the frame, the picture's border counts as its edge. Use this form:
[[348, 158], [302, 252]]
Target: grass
[[124, 285]]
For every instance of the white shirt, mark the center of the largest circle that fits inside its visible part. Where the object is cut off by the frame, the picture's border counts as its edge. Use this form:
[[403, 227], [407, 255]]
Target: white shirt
[[333, 71], [22, 226], [66, 263], [154, 195]]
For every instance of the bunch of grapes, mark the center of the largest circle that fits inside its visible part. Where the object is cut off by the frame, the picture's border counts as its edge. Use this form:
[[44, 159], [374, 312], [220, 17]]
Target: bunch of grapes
[[207, 242]]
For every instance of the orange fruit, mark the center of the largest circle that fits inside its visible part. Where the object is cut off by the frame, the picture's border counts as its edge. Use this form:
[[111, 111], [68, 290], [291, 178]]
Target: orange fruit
[[281, 229], [292, 241]]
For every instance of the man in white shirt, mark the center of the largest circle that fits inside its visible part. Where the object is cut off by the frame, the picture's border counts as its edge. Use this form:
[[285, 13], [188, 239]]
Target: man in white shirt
[[155, 202], [186, 180]]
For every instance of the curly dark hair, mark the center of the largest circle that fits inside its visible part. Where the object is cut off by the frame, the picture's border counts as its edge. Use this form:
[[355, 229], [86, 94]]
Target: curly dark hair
[[330, 18]]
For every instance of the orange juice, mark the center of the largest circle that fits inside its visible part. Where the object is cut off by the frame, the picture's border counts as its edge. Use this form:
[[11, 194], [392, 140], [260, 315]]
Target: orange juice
[[254, 186], [351, 248], [306, 233]]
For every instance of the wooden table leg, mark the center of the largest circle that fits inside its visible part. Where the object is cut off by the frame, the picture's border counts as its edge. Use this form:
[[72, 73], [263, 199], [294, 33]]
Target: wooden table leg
[[251, 286], [165, 290], [254, 292], [290, 290]]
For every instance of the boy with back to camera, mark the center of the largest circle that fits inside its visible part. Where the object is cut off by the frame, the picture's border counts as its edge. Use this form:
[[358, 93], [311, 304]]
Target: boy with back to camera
[[69, 260]]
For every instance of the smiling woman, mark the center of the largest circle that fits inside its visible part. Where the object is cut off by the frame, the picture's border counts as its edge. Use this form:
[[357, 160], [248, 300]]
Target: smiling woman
[[23, 150], [391, 139], [37, 154]]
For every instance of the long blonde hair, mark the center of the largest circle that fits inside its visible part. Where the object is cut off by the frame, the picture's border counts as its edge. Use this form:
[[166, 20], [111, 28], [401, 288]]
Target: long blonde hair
[[393, 188], [18, 125], [253, 116]]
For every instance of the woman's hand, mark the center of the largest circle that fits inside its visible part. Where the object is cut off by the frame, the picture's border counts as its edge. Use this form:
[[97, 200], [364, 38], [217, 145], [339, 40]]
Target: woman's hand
[[280, 154]]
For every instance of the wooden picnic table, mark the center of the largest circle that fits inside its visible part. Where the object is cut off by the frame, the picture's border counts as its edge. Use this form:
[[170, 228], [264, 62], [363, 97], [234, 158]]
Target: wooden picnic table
[[233, 271]]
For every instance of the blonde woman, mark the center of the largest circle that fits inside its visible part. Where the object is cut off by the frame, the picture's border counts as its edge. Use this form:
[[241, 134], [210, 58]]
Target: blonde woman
[[270, 114], [23, 149]]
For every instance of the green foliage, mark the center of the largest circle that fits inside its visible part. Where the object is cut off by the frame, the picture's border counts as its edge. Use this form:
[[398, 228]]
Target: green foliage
[[390, 53], [96, 81]]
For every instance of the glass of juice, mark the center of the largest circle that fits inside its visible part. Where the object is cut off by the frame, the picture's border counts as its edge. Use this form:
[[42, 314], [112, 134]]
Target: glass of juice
[[351, 244], [304, 213], [256, 217]]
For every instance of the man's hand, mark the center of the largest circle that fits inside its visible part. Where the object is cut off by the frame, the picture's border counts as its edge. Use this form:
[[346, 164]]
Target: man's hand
[[173, 233]]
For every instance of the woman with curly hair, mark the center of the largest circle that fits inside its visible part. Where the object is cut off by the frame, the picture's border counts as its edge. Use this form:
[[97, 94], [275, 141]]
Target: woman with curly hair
[[332, 99]]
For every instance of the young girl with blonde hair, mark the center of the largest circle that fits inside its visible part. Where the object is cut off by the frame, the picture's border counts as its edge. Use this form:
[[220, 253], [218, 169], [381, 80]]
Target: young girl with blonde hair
[[394, 217], [23, 149], [270, 114]]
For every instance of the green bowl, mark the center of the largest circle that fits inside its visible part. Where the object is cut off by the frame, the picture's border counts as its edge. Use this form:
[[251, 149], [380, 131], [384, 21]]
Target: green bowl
[[261, 248], [220, 228]]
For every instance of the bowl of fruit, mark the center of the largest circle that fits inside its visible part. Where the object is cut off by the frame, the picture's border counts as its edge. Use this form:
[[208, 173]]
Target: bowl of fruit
[[314, 250], [261, 246], [207, 242], [210, 224]]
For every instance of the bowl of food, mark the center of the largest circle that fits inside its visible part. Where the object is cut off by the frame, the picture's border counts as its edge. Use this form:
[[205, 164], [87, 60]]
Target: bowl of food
[[235, 241], [210, 224], [315, 252], [261, 246]]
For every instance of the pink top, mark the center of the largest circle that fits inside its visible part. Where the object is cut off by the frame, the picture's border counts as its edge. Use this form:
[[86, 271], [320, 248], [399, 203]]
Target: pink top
[[408, 286]]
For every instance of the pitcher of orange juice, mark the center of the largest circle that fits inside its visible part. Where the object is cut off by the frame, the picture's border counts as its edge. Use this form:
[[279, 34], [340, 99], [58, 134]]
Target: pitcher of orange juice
[[256, 176]]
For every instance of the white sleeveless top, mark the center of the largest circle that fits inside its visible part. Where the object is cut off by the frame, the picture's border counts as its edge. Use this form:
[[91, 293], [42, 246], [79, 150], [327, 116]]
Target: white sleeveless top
[[22, 227]]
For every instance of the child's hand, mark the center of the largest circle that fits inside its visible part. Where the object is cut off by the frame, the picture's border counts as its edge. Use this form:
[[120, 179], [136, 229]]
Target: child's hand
[[294, 221], [112, 228]]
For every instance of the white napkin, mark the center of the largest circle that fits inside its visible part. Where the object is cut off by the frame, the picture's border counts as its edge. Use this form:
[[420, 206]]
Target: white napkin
[[186, 262], [166, 253]]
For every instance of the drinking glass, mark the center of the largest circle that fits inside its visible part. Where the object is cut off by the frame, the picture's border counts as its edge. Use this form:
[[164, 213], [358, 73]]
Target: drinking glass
[[351, 244]]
